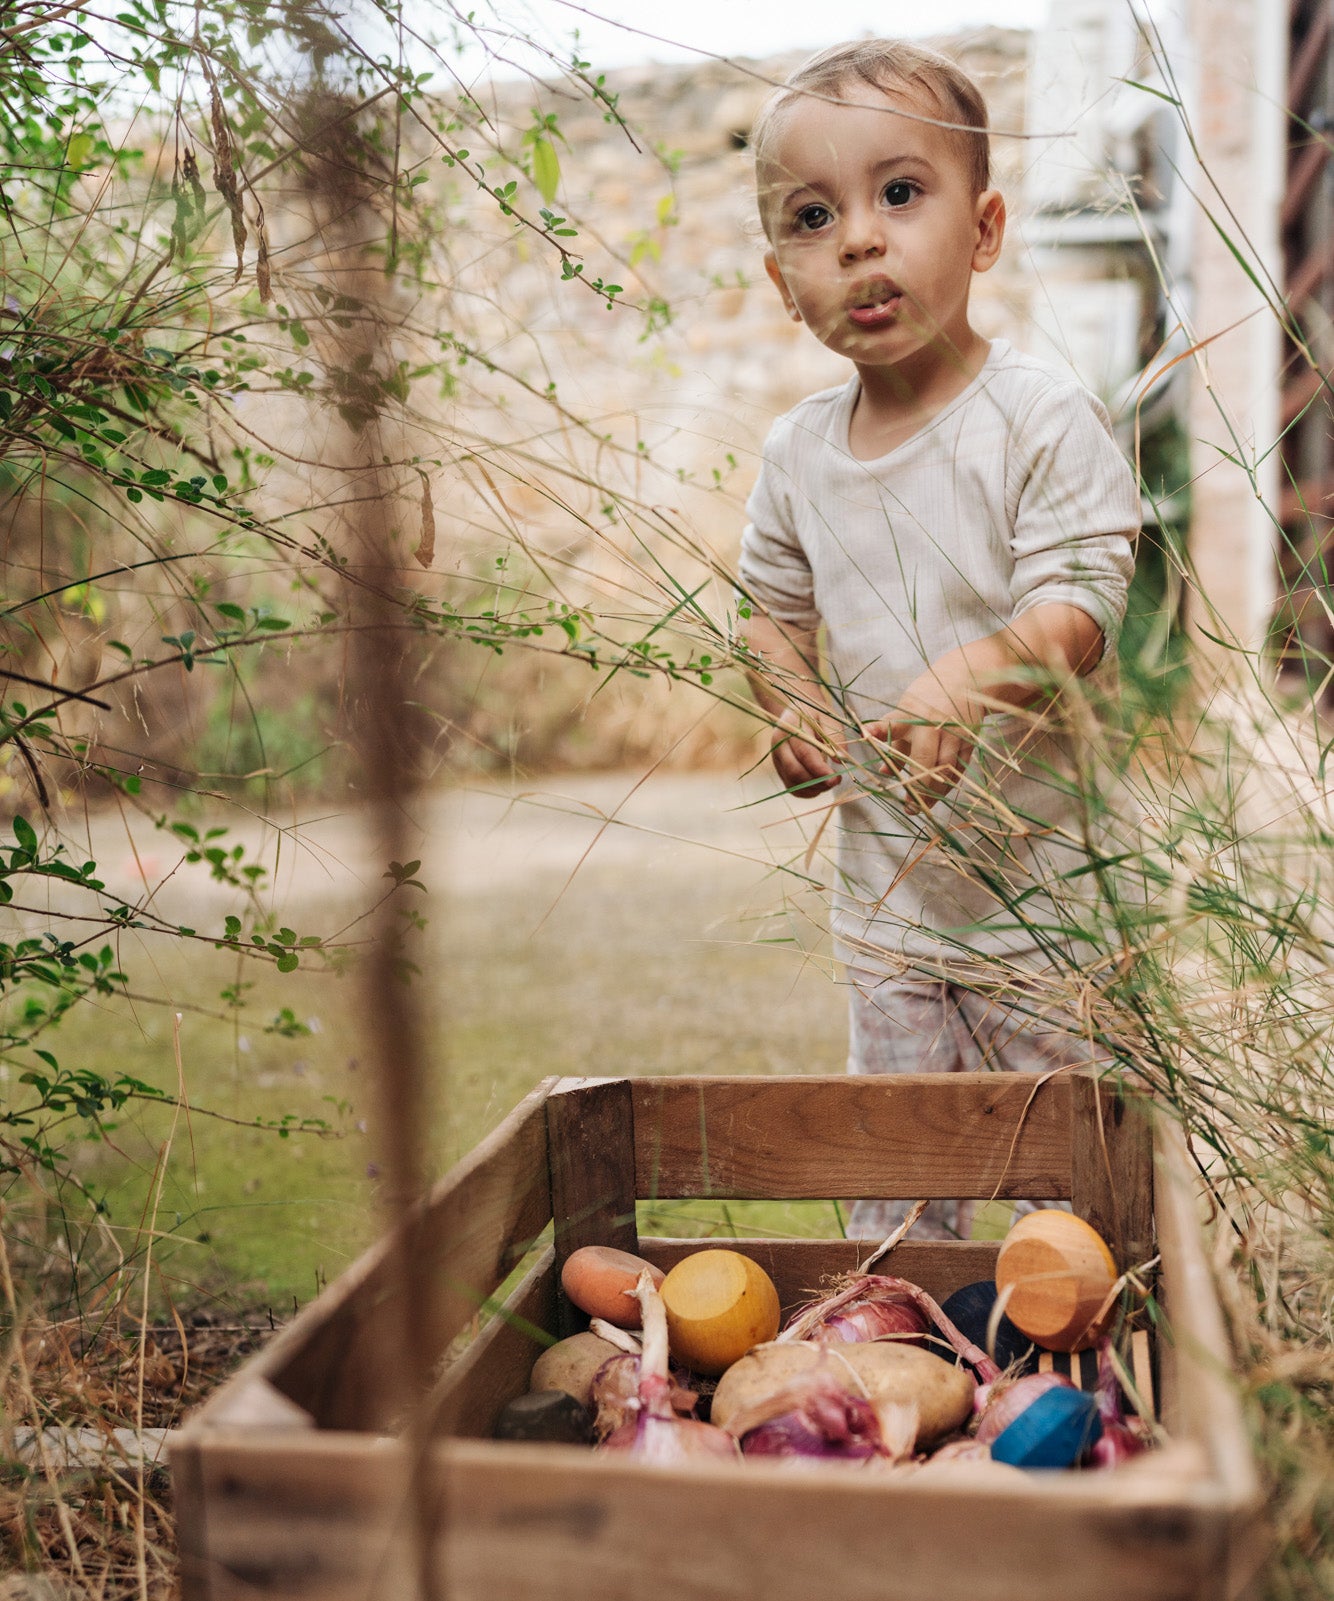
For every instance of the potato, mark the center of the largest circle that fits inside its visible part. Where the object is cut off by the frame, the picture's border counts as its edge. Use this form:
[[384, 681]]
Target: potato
[[885, 1371], [757, 1375], [892, 1371], [569, 1365]]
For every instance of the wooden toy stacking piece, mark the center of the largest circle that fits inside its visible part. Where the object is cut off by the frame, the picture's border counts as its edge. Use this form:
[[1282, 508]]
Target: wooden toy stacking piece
[[1058, 1273], [719, 1304], [1054, 1432]]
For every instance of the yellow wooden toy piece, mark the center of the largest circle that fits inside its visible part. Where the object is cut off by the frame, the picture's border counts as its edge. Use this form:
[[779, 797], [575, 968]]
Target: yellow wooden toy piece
[[1055, 1273], [719, 1304]]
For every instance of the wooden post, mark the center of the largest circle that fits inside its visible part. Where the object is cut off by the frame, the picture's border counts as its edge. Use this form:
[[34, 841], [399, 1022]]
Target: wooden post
[[1111, 1179], [591, 1152]]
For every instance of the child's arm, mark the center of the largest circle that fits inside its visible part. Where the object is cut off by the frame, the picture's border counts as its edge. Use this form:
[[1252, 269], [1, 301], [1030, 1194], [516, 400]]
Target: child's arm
[[932, 731], [806, 733]]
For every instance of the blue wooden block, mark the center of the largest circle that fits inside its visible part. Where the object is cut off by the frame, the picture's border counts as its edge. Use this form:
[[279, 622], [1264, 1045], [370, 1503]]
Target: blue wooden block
[[1052, 1433]]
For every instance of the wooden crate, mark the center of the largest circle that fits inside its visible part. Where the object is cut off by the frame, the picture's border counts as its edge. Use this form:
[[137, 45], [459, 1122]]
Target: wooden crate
[[291, 1484]]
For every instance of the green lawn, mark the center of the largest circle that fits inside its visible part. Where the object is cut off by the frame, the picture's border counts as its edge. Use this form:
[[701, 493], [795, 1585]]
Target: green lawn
[[650, 956]]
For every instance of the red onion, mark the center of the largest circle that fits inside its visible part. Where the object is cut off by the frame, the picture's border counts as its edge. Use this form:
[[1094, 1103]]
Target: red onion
[[817, 1413], [653, 1432], [892, 1317], [1001, 1401], [1117, 1443], [829, 1423], [614, 1395], [903, 1310]]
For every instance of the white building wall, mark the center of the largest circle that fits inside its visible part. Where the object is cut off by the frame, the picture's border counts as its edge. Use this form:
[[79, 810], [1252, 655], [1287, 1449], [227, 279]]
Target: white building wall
[[1100, 266], [1239, 73]]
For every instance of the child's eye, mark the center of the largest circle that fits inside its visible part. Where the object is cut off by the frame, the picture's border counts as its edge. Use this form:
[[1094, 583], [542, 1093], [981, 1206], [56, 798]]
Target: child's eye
[[900, 192], [811, 218]]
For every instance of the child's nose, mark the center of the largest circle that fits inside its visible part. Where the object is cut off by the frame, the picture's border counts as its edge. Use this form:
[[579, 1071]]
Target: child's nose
[[863, 235]]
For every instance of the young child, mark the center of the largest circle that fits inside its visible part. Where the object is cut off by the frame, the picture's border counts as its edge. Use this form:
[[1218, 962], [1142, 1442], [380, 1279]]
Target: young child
[[934, 549]]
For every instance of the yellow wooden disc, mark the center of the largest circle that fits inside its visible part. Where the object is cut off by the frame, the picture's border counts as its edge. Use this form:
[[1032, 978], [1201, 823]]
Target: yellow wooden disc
[[719, 1304], [1058, 1273]]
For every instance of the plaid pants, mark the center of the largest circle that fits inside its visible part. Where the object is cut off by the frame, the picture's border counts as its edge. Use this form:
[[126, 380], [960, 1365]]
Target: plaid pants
[[923, 1025]]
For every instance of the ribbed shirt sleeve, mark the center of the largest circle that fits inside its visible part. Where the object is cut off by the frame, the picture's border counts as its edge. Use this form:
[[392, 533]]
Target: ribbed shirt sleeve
[[1076, 511], [774, 570]]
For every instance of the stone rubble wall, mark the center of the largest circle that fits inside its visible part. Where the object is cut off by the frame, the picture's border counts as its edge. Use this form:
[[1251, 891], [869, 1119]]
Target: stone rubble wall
[[710, 383], [617, 456]]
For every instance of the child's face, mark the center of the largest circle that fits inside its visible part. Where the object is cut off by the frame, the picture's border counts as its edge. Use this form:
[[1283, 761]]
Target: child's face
[[874, 229]]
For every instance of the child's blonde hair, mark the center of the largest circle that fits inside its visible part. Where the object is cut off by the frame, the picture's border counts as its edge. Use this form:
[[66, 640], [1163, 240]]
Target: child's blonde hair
[[891, 64]]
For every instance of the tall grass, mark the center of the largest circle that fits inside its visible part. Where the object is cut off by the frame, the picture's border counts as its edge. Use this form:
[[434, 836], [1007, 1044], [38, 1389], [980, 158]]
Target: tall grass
[[1189, 943]]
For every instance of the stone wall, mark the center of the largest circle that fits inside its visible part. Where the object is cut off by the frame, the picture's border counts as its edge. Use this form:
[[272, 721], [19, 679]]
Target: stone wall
[[616, 449], [701, 392]]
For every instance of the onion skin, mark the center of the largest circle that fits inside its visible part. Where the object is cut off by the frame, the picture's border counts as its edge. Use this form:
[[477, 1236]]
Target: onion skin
[[654, 1433], [614, 1395], [1118, 1442], [1002, 1402], [830, 1424], [865, 1287], [655, 1439], [872, 1320], [1115, 1446]]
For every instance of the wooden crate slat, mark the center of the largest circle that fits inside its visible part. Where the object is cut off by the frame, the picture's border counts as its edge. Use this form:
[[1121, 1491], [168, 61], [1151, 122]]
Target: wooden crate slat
[[590, 1144], [495, 1367], [1307, 62], [527, 1530], [1200, 1399], [1304, 168], [801, 1269], [971, 1135], [325, 1517], [1112, 1167], [471, 1230], [305, 1517]]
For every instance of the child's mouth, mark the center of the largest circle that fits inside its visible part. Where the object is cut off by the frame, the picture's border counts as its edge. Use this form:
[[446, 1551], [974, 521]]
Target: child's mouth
[[874, 305]]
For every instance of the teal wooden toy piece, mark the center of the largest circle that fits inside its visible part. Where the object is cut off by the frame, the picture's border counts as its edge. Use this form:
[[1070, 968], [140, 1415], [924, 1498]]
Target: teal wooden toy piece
[[1052, 1433]]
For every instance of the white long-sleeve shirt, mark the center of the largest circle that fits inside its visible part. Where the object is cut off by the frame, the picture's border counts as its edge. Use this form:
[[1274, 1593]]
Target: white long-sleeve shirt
[[1014, 495]]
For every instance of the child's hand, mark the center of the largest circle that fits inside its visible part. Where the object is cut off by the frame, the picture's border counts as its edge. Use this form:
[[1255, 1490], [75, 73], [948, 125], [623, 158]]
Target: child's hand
[[931, 733], [804, 750]]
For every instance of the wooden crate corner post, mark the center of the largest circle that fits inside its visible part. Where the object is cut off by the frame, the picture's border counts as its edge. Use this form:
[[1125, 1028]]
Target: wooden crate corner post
[[1112, 1166], [591, 1155]]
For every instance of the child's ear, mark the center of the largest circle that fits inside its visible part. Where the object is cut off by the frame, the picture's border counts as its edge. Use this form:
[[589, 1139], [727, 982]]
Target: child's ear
[[772, 268], [989, 215]]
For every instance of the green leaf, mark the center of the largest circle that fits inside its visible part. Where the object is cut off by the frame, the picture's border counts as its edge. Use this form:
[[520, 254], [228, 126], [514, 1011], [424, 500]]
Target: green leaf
[[546, 169], [26, 835], [80, 147], [289, 962], [1149, 89]]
